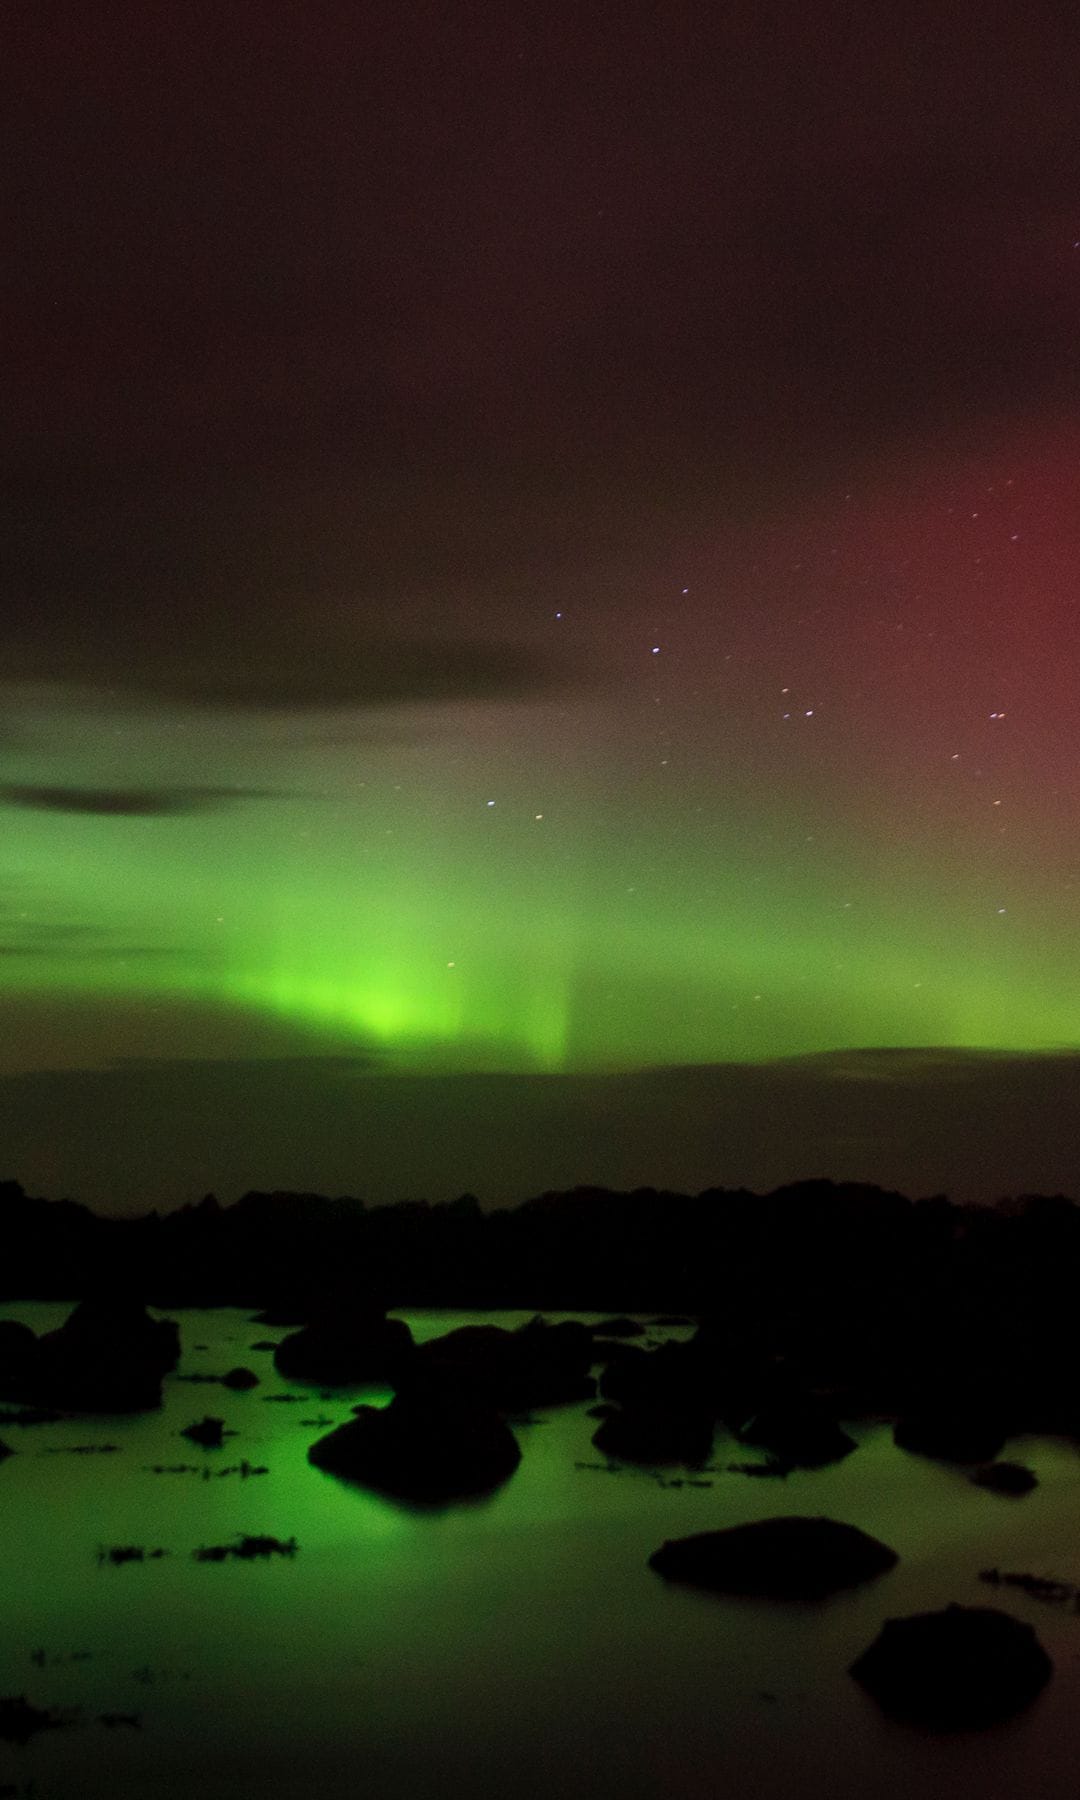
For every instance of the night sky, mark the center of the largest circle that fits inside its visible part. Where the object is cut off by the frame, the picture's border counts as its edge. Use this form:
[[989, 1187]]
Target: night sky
[[539, 545]]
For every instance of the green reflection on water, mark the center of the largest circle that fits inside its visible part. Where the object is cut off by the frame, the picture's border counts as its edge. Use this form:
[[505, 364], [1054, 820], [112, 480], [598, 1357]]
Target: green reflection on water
[[517, 1644]]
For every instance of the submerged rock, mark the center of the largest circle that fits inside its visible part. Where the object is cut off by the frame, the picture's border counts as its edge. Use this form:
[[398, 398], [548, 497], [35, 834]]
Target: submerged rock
[[966, 1666], [429, 1447], [790, 1558]]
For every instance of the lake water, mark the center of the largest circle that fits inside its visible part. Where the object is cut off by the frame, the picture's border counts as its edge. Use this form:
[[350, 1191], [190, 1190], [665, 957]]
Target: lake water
[[516, 1647]]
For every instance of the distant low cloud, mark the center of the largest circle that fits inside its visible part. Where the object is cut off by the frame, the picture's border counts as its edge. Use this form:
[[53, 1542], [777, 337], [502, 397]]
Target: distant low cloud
[[261, 667], [40, 949], [43, 939], [142, 803]]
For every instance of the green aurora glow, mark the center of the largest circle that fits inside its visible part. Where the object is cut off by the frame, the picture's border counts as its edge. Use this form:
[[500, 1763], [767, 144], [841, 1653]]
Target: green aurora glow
[[491, 938]]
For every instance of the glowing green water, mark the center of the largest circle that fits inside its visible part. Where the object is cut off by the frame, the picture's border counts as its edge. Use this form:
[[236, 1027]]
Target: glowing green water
[[519, 1645]]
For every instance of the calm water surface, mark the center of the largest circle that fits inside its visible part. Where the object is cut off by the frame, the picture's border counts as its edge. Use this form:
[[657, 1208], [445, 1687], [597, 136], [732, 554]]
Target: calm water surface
[[515, 1647]]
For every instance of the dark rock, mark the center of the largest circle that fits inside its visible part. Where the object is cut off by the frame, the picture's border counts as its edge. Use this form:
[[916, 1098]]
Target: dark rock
[[208, 1432], [628, 1373], [605, 1410], [19, 1356], [673, 1319], [346, 1348], [240, 1380], [950, 1436], [801, 1433], [428, 1447], [617, 1328], [513, 1371], [786, 1558], [19, 1721], [660, 1435], [967, 1666], [5, 1451], [1006, 1478], [29, 1415], [109, 1355], [264, 1344]]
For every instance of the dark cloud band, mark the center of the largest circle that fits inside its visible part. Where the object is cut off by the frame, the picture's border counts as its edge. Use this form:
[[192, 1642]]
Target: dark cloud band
[[135, 803]]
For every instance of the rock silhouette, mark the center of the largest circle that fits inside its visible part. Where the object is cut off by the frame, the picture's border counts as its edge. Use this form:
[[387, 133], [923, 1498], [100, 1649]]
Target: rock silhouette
[[789, 1558], [19, 1356], [109, 1355], [209, 1432], [1006, 1478], [20, 1721], [953, 1434], [240, 1380], [429, 1447], [346, 1347], [800, 1433], [966, 1666], [247, 1549], [830, 1279], [536, 1365], [660, 1434]]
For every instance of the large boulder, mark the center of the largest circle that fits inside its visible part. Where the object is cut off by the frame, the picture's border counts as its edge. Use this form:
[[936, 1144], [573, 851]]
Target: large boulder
[[425, 1447], [536, 1365], [19, 1359], [109, 1355], [654, 1379], [346, 1348], [951, 1434], [790, 1558], [669, 1434], [801, 1433], [966, 1666]]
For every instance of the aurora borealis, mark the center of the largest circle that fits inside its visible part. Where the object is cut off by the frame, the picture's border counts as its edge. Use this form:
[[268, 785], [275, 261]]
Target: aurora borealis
[[539, 547]]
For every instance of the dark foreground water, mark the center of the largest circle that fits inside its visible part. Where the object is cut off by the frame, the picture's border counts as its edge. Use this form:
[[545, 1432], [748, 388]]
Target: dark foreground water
[[519, 1647]]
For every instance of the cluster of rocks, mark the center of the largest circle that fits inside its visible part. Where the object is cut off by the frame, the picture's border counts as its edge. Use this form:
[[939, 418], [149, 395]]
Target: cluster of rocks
[[446, 1437]]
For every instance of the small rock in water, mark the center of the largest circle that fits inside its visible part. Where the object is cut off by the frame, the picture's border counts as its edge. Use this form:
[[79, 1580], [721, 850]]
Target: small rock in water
[[208, 1432], [1006, 1478], [19, 1721]]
